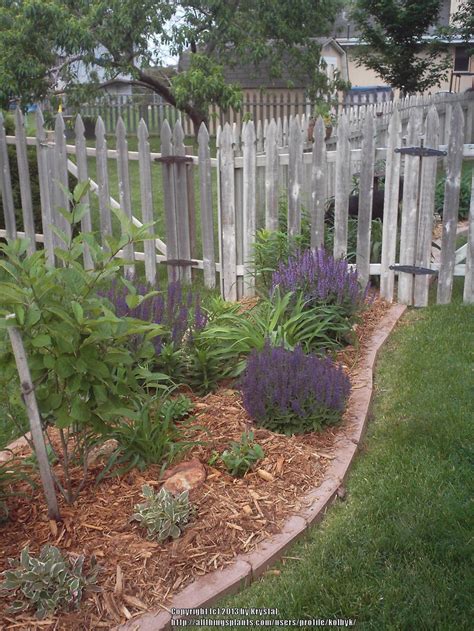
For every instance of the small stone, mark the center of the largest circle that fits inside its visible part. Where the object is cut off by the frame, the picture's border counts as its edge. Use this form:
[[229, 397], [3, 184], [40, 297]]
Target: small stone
[[101, 451], [184, 476]]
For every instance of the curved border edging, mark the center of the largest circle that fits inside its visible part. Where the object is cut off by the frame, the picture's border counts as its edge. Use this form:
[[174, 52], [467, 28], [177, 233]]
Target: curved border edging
[[209, 588]]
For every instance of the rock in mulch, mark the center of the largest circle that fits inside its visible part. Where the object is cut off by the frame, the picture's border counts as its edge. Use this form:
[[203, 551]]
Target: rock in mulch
[[184, 476]]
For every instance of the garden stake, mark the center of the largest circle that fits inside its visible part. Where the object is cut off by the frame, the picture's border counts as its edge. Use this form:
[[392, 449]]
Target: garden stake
[[28, 392]]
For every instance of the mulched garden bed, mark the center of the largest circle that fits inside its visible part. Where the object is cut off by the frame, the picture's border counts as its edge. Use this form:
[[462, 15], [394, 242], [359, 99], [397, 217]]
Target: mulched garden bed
[[233, 515]]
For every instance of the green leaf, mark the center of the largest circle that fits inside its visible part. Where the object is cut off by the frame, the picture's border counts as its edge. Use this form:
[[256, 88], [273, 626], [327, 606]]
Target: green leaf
[[41, 341], [78, 311], [80, 190]]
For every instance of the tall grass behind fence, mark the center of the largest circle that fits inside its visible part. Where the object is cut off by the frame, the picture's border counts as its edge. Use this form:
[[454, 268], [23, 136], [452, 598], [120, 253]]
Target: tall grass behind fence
[[256, 166]]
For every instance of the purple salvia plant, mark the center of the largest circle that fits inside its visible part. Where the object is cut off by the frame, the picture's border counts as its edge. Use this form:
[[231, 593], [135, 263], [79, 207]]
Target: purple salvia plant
[[177, 312], [291, 392], [322, 279]]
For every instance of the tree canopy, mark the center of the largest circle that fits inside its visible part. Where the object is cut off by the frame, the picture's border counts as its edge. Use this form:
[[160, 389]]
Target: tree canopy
[[46, 44], [393, 33]]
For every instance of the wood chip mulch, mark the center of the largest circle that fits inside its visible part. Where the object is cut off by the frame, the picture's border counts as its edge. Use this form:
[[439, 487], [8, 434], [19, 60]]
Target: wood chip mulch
[[232, 515]]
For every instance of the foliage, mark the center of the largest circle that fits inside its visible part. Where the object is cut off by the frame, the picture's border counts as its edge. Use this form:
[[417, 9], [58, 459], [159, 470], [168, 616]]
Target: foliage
[[163, 514], [179, 351], [136, 36], [242, 456], [285, 320], [47, 583], [151, 438], [85, 374], [204, 83], [464, 194], [322, 279], [290, 392], [392, 33]]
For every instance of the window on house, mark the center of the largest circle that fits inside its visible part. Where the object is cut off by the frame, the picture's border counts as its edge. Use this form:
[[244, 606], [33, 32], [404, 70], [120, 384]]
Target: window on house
[[461, 59]]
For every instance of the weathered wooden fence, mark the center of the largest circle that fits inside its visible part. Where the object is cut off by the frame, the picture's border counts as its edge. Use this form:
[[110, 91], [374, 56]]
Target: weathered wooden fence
[[260, 108], [256, 168]]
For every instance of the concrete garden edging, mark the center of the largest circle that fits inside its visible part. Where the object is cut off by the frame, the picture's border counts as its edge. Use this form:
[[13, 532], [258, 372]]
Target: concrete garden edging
[[206, 590]]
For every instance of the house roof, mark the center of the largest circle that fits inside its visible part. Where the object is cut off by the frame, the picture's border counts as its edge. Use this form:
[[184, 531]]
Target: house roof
[[249, 76]]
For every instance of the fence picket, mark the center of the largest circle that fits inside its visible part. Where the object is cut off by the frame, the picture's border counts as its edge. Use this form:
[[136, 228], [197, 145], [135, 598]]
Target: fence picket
[[60, 181], [103, 180], [390, 222], [366, 189], [271, 177], [181, 196], [207, 215], [295, 169], [6, 185], [342, 188], [227, 188], [24, 178], [410, 208], [426, 210], [468, 294], [146, 196], [451, 205], [249, 205], [169, 201], [318, 185], [82, 176], [42, 151], [124, 191]]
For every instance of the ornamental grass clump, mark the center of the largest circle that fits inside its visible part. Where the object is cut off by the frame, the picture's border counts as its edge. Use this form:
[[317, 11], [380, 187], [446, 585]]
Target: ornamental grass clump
[[321, 279], [290, 392]]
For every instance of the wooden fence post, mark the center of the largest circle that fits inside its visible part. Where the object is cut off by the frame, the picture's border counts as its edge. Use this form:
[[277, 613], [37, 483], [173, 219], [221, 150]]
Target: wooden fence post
[[60, 181], [249, 205], [227, 189], [146, 197], [42, 151], [6, 185], [181, 208], [426, 210], [295, 169], [341, 200], [82, 176], [170, 202], [318, 185], [409, 223], [207, 215], [366, 189], [271, 177], [451, 205], [103, 180], [124, 191], [24, 177], [390, 222]]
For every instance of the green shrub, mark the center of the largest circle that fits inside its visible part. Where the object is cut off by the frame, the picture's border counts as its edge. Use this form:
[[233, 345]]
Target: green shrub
[[47, 583], [242, 456], [79, 355], [163, 514]]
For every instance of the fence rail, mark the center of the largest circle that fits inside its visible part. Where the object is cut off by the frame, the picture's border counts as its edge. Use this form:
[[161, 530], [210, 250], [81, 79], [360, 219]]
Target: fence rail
[[241, 189]]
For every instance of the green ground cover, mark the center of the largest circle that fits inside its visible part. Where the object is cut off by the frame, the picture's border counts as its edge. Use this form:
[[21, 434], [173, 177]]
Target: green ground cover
[[396, 553]]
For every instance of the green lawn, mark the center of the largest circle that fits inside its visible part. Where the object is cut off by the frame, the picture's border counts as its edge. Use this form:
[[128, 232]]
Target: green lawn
[[397, 553]]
